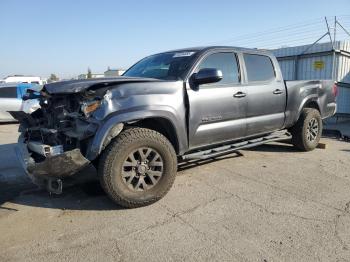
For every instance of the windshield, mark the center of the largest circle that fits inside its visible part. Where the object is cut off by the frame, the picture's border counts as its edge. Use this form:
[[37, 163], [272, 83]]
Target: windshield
[[165, 66]]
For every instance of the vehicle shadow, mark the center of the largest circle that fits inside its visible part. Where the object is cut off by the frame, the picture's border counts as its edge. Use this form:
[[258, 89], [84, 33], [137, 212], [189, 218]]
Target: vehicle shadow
[[277, 147], [272, 147], [14, 122], [184, 165], [87, 195], [12, 179], [17, 189]]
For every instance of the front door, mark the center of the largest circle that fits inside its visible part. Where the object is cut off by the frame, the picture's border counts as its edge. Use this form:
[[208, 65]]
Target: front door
[[217, 110]]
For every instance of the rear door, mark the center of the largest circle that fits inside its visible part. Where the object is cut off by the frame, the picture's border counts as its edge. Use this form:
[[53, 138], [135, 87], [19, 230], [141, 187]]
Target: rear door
[[215, 114], [266, 95], [8, 102]]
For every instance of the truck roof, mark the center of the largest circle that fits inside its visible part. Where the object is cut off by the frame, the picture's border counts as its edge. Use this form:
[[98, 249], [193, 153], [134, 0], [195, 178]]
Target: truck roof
[[206, 48]]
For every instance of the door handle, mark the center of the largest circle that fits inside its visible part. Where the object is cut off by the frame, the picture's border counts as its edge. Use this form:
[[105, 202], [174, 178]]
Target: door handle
[[239, 94], [277, 92]]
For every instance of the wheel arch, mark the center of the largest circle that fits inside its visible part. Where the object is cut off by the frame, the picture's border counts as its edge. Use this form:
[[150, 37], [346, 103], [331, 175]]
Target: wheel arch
[[311, 104], [307, 102], [163, 121], [161, 125]]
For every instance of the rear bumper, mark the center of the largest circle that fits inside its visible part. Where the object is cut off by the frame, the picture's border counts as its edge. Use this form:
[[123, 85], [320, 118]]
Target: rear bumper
[[53, 167]]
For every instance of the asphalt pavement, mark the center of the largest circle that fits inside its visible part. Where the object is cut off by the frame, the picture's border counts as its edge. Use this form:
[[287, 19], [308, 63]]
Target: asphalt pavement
[[271, 204]]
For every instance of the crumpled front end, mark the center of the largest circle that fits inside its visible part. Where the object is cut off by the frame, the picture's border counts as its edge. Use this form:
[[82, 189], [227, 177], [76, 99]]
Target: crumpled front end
[[50, 172], [55, 138], [56, 165]]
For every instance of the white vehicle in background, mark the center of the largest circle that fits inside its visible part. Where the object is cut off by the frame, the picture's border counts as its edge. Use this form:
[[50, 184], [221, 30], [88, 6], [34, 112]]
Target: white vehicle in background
[[24, 79], [11, 95], [9, 101]]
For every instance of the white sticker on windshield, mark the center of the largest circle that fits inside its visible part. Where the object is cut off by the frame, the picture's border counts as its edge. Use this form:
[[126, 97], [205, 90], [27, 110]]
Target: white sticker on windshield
[[182, 54]]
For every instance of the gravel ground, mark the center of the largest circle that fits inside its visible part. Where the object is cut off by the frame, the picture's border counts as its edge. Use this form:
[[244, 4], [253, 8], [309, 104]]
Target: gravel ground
[[272, 204]]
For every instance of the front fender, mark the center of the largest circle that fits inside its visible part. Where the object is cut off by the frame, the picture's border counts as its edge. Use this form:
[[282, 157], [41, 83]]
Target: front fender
[[99, 140]]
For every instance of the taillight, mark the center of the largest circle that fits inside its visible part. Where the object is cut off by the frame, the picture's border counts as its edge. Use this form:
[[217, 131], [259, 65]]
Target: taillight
[[335, 90]]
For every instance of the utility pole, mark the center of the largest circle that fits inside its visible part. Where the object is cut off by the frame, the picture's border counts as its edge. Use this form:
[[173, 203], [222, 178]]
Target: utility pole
[[335, 28], [329, 32], [334, 55]]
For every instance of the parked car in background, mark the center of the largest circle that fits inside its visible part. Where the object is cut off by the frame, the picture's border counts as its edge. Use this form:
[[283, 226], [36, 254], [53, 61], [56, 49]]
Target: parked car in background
[[24, 79], [11, 95], [8, 101]]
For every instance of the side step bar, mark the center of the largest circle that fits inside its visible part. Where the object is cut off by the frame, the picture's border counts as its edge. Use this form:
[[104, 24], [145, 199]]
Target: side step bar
[[233, 148]]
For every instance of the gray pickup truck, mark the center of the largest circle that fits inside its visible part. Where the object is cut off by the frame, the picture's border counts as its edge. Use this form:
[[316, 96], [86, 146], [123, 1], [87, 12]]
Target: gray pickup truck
[[187, 104]]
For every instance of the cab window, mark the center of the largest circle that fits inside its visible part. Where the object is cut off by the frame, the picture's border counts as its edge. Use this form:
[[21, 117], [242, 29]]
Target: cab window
[[259, 68], [227, 63]]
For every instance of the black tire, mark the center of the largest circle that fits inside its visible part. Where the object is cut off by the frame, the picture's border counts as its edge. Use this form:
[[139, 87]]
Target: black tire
[[302, 137], [122, 153]]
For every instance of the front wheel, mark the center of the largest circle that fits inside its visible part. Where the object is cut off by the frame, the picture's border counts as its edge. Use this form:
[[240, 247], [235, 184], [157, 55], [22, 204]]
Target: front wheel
[[306, 133], [138, 168]]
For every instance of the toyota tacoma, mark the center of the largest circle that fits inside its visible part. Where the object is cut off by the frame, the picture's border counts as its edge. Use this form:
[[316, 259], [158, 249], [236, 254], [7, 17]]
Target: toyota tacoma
[[187, 104]]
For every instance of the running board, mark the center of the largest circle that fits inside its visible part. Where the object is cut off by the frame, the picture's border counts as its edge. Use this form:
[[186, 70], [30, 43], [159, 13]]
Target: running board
[[233, 148]]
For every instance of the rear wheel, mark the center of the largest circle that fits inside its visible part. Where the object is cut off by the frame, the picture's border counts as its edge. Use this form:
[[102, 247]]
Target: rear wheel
[[138, 168], [306, 133]]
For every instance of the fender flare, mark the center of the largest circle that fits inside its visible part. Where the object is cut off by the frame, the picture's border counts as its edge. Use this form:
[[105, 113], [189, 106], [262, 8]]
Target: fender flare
[[311, 98], [113, 125]]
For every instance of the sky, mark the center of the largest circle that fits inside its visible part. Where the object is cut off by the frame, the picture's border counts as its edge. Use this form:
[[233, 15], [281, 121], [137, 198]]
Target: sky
[[65, 37]]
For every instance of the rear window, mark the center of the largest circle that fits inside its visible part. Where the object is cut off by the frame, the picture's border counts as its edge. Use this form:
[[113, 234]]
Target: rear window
[[259, 68], [8, 92]]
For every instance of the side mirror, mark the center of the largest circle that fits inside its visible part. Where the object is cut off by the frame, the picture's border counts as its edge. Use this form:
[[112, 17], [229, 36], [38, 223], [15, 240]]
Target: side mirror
[[207, 76]]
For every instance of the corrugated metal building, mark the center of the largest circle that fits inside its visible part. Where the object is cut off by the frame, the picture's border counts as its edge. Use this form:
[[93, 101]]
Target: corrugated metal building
[[320, 61]]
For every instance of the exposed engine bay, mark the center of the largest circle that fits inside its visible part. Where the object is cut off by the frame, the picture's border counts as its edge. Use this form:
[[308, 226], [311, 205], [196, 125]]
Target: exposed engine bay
[[61, 124], [55, 137]]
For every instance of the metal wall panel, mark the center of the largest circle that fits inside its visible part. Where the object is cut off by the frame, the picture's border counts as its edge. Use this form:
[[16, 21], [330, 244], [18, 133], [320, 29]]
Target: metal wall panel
[[318, 64], [343, 68], [307, 66], [343, 100], [307, 70], [297, 50], [287, 69], [317, 48]]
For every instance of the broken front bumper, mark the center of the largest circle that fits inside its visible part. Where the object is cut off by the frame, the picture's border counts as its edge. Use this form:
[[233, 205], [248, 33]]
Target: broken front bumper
[[49, 172]]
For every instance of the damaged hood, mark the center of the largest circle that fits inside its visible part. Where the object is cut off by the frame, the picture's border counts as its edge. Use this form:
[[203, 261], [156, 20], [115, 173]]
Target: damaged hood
[[76, 86]]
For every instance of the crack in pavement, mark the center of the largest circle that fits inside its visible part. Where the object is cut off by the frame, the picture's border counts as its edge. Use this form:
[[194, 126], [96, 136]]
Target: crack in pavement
[[157, 224], [281, 213], [345, 212], [280, 189], [347, 207], [121, 258], [336, 233], [266, 209], [212, 240]]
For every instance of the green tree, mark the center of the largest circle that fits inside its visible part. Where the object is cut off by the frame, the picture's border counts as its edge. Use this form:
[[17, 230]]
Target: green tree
[[53, 78], [89, 74]]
